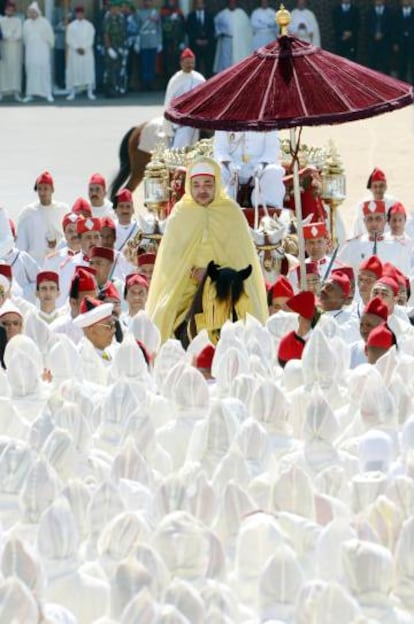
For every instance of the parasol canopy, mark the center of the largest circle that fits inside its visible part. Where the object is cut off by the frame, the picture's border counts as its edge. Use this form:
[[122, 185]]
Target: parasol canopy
[[286, 84]]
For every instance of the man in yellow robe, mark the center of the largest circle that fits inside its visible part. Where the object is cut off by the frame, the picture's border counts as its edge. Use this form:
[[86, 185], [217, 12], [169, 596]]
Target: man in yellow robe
[[204, 225]]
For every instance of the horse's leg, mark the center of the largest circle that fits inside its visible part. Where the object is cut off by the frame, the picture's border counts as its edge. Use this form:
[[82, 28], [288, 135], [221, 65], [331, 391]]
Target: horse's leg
[[124, 163], [139, 161]]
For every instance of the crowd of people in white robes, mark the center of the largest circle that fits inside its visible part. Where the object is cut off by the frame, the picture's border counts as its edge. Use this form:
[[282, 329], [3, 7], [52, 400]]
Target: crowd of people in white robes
[[246, 482]]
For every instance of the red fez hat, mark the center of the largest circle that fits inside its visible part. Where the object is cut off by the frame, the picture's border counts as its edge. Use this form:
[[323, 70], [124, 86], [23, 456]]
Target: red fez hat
[[47, 276], [311, 268], [282, 288], [390, 270], [79, 9], [303, 303], [124, 195], [92, 311], [187, 53], [107, 222], [88, 269], [341, 280], [82, 207], [376, 306], [110, 292], [97, 178], [91, 224], [315, 230], [86, 280], [348, 270], [6, 270], [146, 258], [376, 176], [204, 359], [372, 264], [374, 206], [69, 219], [390, 282], [102, 252], [397, 208], [44, 178], [135, 279], [381, 336], [12, 227], [290, 348]]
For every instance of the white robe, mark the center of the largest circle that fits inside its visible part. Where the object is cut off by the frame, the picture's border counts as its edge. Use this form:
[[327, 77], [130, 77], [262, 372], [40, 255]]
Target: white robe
[[38, 39], [37, 224], [234, 38], [182, 82], [246, 152], [81, 67], [263, 26], [354, 251], [304, 25], [11, 55]]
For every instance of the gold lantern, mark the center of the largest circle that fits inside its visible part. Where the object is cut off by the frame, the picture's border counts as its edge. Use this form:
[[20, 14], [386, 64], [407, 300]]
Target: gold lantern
[[333, 184], [156, 187]]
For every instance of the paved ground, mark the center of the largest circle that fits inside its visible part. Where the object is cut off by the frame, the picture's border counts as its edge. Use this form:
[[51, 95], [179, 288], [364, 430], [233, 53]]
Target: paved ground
[[73, 140]]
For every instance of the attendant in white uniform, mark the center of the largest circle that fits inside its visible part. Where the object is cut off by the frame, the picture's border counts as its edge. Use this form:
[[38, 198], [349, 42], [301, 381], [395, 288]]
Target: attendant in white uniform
[[377, 186], [316, 237], [374, 313], [126, 224], [11, 53], [39, 228], [234, 36], [387, 289], [397, 221], [69, 246], [135, 295], [80, 71], [245, 156], [333, 298], [121, 267], [353, 252], [83, 284], [47, 292], [182, 82], [304, 24], [264, 25], [100, 204], [38, 41]]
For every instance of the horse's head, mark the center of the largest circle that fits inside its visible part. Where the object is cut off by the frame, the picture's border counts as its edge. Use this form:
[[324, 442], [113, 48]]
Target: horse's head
[[228, 281]]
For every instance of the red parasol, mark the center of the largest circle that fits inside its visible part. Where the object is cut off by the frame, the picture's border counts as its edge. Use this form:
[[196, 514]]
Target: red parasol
[[288, 84]]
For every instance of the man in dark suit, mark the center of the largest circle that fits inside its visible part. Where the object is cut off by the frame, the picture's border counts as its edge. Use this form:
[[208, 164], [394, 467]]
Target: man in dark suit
[[201, 37], [379, 23], [403, 40], [345, 19]]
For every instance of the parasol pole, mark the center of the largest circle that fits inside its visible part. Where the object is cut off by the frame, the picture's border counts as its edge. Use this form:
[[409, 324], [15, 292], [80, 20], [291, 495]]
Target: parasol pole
[[298, 209]]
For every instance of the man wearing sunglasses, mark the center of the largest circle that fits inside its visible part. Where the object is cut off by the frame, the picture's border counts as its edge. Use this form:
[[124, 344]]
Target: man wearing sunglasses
[[98, 326]]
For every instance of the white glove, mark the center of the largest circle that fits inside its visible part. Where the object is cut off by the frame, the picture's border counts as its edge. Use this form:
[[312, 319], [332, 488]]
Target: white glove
[[112, 54]]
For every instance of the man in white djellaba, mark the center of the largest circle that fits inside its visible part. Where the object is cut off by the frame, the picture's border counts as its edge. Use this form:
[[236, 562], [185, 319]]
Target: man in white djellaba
[[183, 81], [264, 25], [80, 73], [251, 156], [38, 40], [234, 36], [11, 52], [304, 24]]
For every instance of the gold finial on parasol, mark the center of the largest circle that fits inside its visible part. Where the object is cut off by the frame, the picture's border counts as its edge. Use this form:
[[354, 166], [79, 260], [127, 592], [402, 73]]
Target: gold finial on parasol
[[283, 20]]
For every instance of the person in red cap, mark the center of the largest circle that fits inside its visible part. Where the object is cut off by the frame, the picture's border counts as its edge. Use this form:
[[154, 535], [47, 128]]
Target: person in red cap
[[387, 289], [101, 206], [375, 242], [333, 298], [39, 227], [370, 270], [126, 224], [291, 346], [121, 267], [397, 222], [380, 340], [203, 361], [316, 238], [349, 272], [56, 260], [80, 70], [377, 186], [135, 295], [183, 81], [313, 277], [145, 263], [374, 313], [83, 284], [82, 208], [47, 292], [102, 260], [279, 294]]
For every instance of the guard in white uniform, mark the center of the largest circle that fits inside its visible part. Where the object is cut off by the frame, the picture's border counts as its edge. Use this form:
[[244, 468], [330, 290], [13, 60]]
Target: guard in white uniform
[[100, 204]]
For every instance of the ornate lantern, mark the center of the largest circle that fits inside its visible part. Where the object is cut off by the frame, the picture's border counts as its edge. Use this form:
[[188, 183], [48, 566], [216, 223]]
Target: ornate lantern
[[333, 184], [156, 187]]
